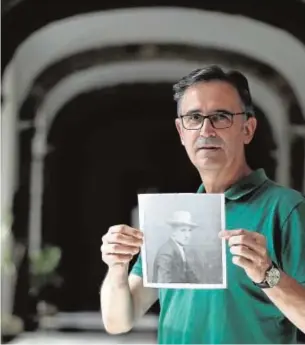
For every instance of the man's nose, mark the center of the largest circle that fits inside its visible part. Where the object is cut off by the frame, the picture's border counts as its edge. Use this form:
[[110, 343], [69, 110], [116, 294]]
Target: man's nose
[[207, 129]]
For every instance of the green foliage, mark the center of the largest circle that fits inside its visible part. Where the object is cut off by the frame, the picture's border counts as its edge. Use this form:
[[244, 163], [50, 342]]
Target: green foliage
[[43, 265], [12, 252], [45, 261]]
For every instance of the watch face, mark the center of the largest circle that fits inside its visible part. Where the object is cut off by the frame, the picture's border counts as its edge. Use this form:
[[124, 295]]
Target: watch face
[[273, 277]]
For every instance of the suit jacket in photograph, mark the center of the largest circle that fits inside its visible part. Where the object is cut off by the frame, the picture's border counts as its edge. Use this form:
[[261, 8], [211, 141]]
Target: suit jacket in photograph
[[169, 266]]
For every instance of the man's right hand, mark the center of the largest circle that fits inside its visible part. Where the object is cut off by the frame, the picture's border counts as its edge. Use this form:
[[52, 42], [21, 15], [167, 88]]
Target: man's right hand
[[120, 244]]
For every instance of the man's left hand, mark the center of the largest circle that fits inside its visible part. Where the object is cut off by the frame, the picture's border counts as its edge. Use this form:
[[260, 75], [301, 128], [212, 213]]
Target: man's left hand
[[249, 252]]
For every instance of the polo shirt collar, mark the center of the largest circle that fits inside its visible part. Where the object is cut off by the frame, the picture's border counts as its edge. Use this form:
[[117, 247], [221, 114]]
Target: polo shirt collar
[[244, 186]]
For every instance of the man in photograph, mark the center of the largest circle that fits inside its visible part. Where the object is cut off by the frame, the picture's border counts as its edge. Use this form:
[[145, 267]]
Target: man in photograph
[[175, 262]]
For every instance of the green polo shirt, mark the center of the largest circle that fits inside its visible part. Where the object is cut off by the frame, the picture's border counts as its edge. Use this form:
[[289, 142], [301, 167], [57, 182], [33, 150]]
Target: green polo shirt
[[242, 313]]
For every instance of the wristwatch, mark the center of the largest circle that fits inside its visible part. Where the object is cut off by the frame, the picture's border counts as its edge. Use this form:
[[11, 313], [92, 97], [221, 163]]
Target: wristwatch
[[272, 277]]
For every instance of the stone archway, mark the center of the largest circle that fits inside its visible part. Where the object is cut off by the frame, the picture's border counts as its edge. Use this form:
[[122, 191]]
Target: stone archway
[[94, 170], [198, 26], [80, 215], [132, 72]]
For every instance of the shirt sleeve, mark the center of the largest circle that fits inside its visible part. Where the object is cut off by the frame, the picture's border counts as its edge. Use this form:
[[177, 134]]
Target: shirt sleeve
[[294, 243], [137, 267]]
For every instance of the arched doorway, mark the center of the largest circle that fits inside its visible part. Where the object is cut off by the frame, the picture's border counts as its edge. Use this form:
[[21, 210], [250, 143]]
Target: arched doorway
[[107, 145]]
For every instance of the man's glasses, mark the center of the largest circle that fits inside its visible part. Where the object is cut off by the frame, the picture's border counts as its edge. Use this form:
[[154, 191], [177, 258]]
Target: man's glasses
[[218, 120]]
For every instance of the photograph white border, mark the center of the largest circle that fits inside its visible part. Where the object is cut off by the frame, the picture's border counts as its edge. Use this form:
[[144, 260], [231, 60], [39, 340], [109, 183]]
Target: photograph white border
[[185, 285]]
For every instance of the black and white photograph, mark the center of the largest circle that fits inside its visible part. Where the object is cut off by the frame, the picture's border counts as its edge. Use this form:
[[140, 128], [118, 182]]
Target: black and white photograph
[[181, 246]]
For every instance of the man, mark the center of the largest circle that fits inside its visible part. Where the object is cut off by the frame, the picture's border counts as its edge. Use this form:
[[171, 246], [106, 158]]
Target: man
[[265, 299], [172, 263]]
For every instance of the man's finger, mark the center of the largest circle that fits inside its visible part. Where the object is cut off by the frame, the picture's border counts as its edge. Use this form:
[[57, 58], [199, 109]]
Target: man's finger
[[238, 232], [242, 262], [246, 253], [126, 230], [235, 232], [249, 242], [117, 258], [119, 249], [120, 238]]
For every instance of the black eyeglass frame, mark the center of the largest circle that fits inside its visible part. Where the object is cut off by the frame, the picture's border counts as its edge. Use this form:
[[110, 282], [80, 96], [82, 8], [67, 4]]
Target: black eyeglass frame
[[208, 117]]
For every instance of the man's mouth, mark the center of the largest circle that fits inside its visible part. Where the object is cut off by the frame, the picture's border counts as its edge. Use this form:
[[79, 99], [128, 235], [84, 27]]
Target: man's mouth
[[209, 148]]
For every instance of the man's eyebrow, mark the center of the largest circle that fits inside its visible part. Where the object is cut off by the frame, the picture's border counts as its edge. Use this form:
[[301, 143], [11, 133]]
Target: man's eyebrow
[[196, 111], [221, 111]]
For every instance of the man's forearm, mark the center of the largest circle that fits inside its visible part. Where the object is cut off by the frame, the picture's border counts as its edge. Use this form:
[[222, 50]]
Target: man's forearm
[[289, 297], [116, 301]]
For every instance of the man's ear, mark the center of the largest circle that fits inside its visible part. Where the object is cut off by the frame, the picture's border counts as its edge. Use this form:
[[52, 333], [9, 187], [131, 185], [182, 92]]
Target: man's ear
[[179, 129], [249, 129]]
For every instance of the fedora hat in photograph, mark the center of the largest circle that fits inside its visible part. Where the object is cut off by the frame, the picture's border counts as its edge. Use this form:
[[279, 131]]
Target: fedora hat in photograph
[[182, 218]]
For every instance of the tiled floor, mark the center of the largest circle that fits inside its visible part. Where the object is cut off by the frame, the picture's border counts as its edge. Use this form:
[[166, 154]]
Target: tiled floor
[[87, 328], [57, 338]]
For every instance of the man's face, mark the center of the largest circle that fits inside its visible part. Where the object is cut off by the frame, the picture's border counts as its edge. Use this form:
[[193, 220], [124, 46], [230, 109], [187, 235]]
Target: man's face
[[206, 98], [182, 234]]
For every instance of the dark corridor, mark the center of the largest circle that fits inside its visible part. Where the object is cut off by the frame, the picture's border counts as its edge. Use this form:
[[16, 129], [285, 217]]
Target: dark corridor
[[106, 145]]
